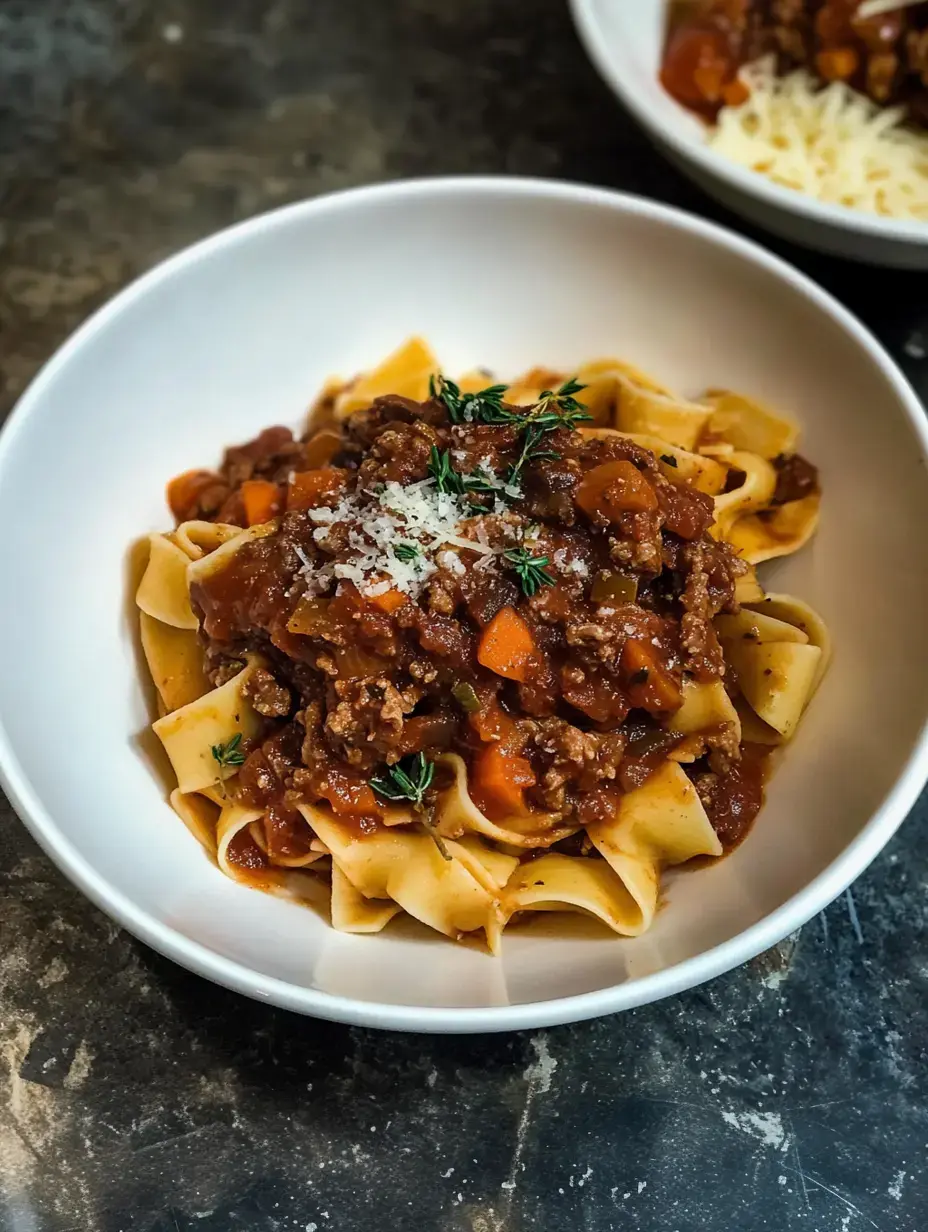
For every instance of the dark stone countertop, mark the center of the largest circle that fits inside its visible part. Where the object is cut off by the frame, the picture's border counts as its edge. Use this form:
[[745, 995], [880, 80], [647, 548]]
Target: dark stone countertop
[[788, 1096]]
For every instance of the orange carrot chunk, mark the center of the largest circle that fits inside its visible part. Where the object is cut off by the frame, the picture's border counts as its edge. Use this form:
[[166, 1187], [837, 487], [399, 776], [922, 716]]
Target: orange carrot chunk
[[650, 685], [184, 491], [735, 93], [348, 794], [316, 488], [320, 449], [697, 64], [262, 501], [390, 601], [507, 646], [837, 63], [615, 488], [499, 780]]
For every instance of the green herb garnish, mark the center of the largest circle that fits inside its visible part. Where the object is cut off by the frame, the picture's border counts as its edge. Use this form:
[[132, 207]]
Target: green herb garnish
[[532, 436], [563, 404], [448, 479], [228, 756], [529, 569], [559, 408], [485, 406], [441, 468], [406, 552], [554, 409], [410, 779]]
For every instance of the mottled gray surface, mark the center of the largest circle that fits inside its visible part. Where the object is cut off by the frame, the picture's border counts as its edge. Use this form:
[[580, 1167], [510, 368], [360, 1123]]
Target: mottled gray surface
[[789, 1095]]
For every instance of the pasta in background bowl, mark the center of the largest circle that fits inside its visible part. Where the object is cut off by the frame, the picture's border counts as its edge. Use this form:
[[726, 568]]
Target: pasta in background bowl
[[236, 334]]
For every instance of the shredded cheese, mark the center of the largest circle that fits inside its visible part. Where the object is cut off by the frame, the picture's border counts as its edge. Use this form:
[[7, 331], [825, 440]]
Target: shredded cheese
[[570, 564], [833, 143], [417, 516]]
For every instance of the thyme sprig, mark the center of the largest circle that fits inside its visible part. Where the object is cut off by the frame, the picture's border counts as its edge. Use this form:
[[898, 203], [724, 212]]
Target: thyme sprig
[[563, 403], [410, 779], [554, 409], [406, 552], [449, 479], [228, 756], [485, 406], [532, 436], [529, 569]]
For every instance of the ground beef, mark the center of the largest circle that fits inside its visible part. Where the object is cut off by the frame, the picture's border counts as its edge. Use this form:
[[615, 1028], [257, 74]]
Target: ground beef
[[698, 637], [885, 56], [367, 720], [349, 686], [721, 748], [399, 454], [576, 759], [266, 695], [796, 478], [263, 458]]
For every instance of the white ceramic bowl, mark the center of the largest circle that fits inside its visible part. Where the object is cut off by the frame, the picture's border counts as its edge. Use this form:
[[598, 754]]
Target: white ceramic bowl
[[239, 332], [624, 39]]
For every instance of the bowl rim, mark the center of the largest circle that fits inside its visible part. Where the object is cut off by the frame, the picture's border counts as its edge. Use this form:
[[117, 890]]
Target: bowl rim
[[592, 36], [199, 958]]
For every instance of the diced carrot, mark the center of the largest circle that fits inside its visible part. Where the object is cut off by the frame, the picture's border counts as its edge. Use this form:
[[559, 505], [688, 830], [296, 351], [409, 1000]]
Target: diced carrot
[[315, 488], [507, 646], [184, 491], [650, 685], [262, 501], [348, 794], [697, 63], [709, 80], [837, 63], [735, 93], [390, 601], [320, 449], [499, 780], [615, 488]]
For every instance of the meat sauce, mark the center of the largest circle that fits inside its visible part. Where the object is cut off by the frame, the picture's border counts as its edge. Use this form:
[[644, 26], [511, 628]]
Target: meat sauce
[[354, 681], [732, 801], [884, 56]]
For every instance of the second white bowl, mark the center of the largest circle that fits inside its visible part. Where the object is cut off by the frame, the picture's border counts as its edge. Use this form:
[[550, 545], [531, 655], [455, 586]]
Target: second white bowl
[[624, 39]]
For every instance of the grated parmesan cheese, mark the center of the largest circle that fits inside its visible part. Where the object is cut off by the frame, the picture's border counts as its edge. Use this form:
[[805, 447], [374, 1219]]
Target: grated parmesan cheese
[[452, 562], [568, 564], [832, 144], [416, 515]]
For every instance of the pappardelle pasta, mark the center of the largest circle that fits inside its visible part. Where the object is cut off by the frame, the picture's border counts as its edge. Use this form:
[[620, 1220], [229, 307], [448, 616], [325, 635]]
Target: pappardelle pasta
[[468, 650]]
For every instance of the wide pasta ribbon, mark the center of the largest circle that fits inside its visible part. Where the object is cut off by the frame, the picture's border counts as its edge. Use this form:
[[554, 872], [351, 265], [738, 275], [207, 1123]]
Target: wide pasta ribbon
[[474, 874]]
